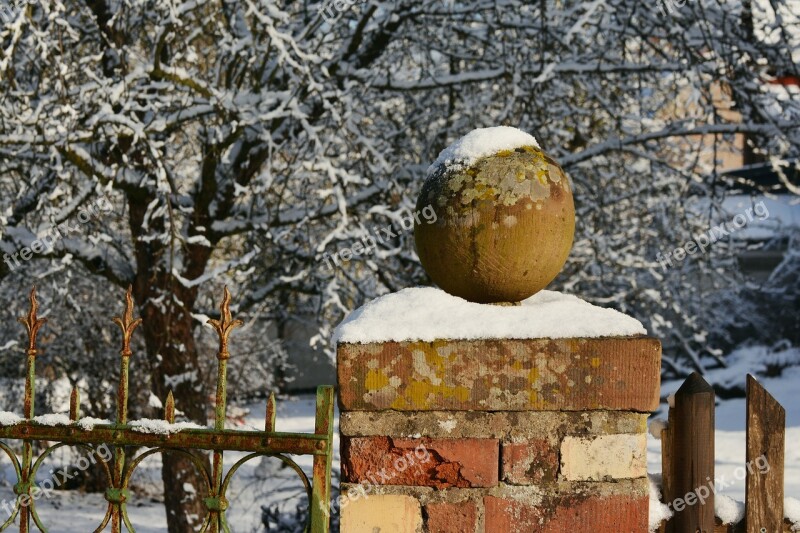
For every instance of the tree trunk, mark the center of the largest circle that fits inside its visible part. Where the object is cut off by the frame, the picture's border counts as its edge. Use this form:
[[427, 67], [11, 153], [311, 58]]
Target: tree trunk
[[166, 306], [174, 363]]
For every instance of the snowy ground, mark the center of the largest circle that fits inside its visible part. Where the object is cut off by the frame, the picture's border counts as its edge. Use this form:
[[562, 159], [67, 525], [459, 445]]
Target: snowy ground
[[258, 484]]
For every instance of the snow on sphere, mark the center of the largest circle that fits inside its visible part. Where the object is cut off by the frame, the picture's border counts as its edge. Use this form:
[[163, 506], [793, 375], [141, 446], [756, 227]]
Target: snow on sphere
[[479, 143]]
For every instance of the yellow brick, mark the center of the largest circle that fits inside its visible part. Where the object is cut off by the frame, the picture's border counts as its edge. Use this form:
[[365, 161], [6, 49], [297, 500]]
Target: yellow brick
[[604, 457], [381, 513]]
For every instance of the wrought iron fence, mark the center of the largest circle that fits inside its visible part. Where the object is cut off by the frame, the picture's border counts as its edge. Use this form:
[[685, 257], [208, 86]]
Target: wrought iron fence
[[121, 434]]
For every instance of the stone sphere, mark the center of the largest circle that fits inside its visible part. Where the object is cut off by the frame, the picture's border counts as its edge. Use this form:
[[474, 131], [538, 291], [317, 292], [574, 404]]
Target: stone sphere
[[504, 225]]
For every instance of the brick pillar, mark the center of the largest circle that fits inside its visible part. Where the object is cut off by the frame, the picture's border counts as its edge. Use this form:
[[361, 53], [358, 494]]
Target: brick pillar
[[496, 436]]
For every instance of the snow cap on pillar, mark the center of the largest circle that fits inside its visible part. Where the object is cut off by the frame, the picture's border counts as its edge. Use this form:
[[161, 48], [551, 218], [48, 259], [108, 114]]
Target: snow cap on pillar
[[505, 217]]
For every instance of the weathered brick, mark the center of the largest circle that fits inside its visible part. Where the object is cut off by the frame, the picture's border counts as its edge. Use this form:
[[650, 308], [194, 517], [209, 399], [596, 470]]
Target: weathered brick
[[518, 425], [501, 375], [604, 457], [448, 517], [384, 513], [610, 514], [532, 494], [529, 462], [422, 462]]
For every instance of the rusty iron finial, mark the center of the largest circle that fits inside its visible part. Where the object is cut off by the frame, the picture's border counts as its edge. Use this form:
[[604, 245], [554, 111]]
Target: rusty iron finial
[[269, 422], [224, 325], [127, 324], [74, 404], [169, 408], [32, 322]]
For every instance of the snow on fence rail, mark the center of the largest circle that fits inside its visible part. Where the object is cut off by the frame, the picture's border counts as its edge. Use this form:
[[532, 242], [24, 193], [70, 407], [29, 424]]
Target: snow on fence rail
[[688, 482], [159, 436]]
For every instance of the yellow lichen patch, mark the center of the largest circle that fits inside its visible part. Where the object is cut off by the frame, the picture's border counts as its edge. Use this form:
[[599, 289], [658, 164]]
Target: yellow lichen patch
[[375, 380], [445, 349], [441, 343], [428, 362], [437, 362], [575, 346], [535, 400], [419, 393], [399, 403], [484, 191], [595, 362], [532, 150], [416, 394], [458, 392], [505, 177]]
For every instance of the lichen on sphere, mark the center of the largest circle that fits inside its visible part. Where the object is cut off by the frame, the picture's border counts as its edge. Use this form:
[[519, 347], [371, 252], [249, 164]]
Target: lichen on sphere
[[504, 227]]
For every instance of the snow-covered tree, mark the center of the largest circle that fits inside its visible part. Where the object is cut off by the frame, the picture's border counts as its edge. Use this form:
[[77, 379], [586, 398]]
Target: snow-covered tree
[[242, 141]]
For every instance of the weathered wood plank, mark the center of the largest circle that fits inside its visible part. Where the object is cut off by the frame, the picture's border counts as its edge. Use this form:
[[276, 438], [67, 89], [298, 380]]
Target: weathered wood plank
[[766, 424], [693, 455]]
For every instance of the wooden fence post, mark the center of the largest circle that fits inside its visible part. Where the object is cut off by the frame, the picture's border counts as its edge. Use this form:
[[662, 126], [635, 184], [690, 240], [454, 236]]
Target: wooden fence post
[[766, 424], [692, 479]]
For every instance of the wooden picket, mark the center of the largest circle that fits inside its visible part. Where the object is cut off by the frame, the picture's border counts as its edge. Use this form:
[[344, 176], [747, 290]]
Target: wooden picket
[[687, 445], [766, 426], [693, 451]]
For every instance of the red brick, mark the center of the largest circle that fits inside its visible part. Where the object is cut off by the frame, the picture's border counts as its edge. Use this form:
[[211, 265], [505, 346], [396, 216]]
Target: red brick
[[511, 516], [528, 463], [421, 462], [449, 517], [609, 514]]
